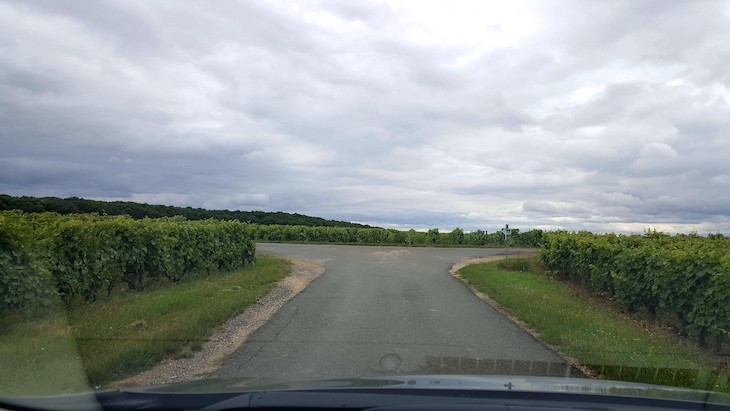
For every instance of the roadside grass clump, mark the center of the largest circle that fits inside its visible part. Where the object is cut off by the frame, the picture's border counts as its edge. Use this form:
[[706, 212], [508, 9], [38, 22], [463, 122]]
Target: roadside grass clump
[[87, 346], [521, 264], [595, 332]]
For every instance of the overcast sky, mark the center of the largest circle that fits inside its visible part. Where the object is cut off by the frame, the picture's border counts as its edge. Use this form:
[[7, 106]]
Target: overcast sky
[[600, 115]]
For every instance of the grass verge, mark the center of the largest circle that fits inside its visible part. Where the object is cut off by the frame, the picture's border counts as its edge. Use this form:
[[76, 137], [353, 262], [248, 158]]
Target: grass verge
[[598, 335], [95, 344]]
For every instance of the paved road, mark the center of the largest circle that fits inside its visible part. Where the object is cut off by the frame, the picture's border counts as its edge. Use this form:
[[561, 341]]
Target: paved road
[[387, 310]]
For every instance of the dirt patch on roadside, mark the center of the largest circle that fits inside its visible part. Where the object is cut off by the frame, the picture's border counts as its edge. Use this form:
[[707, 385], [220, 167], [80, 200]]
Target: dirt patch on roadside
[[494, 304], [231, 335], [390, 254]]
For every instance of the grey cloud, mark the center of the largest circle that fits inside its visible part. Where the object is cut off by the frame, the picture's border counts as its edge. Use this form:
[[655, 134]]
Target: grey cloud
[[29, 171], [371, 14], [609, 116], [45, 177], [126, 27], [541, 207]]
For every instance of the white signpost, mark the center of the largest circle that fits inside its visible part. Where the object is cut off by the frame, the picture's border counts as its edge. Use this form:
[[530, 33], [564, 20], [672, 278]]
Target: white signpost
[[507, 237]]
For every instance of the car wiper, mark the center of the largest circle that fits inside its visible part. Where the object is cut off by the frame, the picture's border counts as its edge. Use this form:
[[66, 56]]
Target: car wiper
[[352, 399]]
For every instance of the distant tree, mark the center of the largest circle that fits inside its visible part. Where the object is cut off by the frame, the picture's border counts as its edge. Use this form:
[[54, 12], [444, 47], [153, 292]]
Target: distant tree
[[532, 238], [495, 238], [457, 236], [432, 236], [477, 237], [411, 236]]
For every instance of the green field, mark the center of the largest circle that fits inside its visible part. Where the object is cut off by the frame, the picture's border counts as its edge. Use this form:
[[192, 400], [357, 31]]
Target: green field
[[104, 341], [596, 333]]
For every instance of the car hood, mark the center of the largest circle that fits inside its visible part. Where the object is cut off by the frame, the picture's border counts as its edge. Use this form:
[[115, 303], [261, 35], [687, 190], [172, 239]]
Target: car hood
[[450, 382]]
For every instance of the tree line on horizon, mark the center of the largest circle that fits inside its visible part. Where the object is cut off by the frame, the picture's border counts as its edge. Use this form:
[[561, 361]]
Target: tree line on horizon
[[273, 226], [76, 205]]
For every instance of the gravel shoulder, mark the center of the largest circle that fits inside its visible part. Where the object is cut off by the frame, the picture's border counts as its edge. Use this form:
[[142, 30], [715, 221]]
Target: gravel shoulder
[[231, 335]]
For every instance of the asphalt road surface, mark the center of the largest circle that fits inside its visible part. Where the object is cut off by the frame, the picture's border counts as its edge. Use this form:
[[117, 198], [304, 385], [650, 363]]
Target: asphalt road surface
[[387, 310]]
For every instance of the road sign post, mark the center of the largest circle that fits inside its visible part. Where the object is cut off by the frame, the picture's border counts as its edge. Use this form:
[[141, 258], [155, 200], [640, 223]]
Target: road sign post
[[507, 238]]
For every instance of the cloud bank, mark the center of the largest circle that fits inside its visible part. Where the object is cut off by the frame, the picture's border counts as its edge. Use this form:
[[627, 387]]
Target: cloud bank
[[608, 116]]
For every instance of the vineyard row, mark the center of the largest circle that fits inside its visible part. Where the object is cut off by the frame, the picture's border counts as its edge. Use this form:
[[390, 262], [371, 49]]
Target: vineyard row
[[45, 257], [684, 279]]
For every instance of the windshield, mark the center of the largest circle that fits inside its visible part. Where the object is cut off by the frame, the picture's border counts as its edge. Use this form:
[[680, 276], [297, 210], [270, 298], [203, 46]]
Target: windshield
[[272, 192]]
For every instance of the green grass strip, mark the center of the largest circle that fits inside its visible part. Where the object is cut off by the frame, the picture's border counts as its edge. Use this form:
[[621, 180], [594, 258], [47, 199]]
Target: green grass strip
[[109, 340], [598, 335]]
